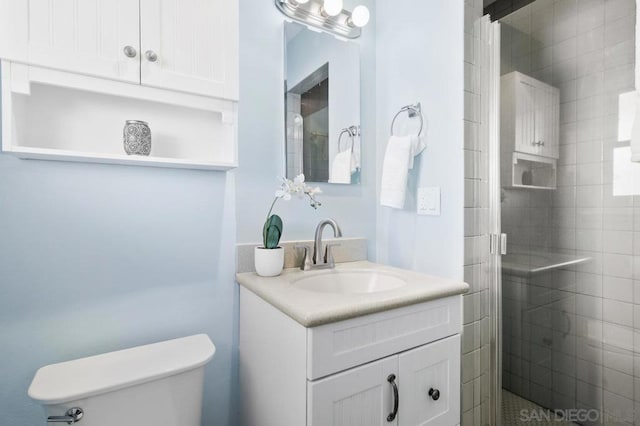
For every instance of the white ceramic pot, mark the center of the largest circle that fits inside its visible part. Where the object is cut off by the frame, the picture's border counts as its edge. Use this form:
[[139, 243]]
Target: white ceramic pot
[[269, 262]]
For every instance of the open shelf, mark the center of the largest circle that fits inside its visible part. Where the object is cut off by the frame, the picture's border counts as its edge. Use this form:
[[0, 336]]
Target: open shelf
[[134, 160], [528, 171], [46, 121]]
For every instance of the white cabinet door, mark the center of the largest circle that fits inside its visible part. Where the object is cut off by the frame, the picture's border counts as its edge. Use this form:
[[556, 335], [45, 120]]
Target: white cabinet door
[[430, 384], [191, 46], [525, 127], [82, 36], [359, 396], [548, 115]]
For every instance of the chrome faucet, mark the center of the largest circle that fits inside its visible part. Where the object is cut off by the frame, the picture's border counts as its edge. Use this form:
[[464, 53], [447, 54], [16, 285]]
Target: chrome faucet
[[320, 259]]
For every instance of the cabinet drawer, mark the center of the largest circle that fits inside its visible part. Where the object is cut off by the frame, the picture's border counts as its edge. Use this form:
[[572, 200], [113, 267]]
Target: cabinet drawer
[[345, 344]]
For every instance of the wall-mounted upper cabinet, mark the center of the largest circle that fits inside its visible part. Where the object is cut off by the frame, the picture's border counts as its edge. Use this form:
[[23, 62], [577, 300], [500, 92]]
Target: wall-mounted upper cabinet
[[191, 48], [170, 63], [530, 116]]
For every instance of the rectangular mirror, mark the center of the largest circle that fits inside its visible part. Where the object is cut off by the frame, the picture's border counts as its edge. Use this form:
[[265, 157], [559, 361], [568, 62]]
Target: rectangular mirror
[[322, 106]]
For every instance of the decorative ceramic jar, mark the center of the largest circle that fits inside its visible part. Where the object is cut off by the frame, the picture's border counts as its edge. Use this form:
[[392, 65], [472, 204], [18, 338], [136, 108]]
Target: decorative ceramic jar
[[137, 137], [269, 262]]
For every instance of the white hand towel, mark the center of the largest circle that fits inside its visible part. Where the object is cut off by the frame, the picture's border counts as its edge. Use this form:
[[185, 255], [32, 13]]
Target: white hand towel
[[355, 164], [395, 171], [417, 146], [341, 168], [635, 133]]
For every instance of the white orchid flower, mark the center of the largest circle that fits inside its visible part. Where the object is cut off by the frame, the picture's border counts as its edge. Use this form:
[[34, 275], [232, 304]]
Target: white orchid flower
[[287, 188], [283, 194]]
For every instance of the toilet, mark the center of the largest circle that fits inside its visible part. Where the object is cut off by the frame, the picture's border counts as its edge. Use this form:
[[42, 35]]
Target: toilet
[[153, 385]]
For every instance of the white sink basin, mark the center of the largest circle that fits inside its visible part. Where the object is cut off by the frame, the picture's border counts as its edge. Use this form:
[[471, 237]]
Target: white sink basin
[[349, 282]]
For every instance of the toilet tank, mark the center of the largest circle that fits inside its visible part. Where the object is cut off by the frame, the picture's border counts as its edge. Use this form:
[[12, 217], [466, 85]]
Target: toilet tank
[[153, 385]]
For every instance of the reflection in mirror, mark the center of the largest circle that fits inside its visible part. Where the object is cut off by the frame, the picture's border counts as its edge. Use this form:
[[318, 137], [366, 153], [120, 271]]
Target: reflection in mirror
[[322, 99]]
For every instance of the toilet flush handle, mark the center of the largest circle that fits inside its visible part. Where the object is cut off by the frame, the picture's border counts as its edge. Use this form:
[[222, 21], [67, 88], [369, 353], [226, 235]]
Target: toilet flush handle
[[73, 415]]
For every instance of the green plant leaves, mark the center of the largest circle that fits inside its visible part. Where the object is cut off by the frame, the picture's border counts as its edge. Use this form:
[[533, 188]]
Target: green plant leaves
[[272, 231]]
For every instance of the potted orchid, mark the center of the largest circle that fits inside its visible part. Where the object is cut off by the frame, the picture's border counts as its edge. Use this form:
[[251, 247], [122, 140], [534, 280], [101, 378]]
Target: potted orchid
[[269, 258]]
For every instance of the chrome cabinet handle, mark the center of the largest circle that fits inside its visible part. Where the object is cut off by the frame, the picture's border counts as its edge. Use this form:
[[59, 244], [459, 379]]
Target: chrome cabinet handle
[[151, 55], [73, 415], [434, 394], [130, 51], [396, 398]]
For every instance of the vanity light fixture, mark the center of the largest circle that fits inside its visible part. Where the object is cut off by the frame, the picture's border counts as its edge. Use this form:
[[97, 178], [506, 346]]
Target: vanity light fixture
[[331, 8], [359, 17], [326, 15]]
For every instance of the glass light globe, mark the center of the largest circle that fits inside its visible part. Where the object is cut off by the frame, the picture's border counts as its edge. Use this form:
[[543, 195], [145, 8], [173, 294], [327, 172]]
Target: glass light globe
[[332, 7], [360, 16]]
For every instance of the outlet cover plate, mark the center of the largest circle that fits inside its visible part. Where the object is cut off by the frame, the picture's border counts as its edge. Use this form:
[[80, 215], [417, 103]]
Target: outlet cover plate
[[429, 201]]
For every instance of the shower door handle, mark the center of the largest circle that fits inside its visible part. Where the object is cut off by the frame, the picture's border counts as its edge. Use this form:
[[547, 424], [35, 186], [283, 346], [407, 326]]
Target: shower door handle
[[503, 244], [498, 244]]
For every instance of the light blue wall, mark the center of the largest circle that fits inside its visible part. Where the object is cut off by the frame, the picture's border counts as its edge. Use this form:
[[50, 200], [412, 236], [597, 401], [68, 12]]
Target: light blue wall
[[420, 59], [261, 135], [95, 258]]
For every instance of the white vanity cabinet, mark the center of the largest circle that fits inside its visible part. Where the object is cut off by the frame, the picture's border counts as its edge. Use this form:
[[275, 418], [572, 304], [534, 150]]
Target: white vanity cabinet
[[530, 116], [189, 46], [350, 372]]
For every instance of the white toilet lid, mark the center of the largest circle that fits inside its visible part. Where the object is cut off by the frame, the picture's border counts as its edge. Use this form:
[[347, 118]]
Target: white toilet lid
[[85, 377]]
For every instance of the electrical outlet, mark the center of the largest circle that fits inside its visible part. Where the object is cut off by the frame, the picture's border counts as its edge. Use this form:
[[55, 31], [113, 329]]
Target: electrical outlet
[[429, 201]]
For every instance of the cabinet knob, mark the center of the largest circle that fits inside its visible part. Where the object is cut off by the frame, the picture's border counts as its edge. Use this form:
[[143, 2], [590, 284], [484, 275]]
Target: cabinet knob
[[434, 394], [130, 51], [151, 56]]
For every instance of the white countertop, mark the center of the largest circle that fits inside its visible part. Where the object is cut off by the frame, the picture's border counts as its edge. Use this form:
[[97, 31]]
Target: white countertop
[[311, 308]]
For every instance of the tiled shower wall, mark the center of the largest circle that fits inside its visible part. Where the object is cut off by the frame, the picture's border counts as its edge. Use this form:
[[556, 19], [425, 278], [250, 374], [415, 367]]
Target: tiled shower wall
[[572, 337], [475, 341]]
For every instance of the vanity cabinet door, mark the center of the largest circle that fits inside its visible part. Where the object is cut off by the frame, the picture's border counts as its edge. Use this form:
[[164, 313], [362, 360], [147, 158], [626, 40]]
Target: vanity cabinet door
[[190, 46], [430, 384], [359, 396], [84, 37]]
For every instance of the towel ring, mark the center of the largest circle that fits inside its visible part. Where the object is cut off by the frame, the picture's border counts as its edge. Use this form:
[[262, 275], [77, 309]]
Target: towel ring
[[412, 111], [352, 131]]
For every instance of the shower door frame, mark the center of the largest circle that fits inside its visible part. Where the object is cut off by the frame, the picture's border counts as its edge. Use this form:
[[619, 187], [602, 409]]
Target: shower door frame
[[498, 240]]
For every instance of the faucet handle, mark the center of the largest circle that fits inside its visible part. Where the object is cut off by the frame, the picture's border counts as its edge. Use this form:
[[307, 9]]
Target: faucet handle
[[328, 254], [306, 262]]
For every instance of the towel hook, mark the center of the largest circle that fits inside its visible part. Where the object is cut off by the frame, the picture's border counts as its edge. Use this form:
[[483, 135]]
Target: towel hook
[[352, 131], [412, 111]]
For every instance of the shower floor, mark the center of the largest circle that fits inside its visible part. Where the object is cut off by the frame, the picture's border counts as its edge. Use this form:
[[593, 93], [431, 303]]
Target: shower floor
[[511, 408]]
